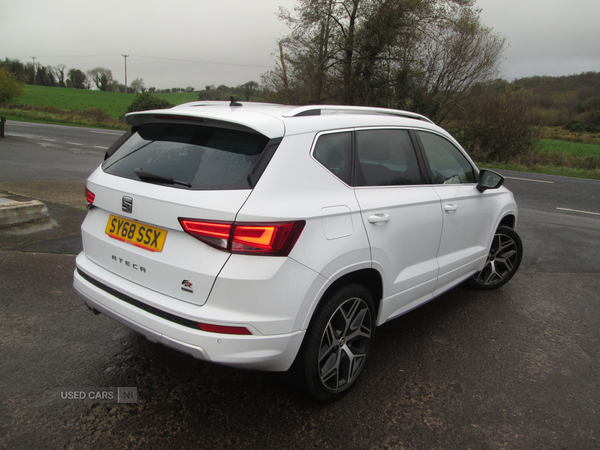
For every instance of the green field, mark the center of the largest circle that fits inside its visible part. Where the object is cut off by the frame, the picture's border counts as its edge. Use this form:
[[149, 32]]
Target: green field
[[577, 149], [558, 157], [113, 103]]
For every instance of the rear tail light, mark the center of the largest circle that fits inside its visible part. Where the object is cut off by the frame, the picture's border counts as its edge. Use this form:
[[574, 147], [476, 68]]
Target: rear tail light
[[275, 239], [212, 233], [89, 198]]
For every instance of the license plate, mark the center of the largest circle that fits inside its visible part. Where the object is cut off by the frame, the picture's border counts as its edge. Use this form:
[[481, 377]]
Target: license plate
[[136, 233]]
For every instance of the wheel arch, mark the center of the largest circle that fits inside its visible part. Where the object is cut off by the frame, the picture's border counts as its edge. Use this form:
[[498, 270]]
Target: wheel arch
[[509, 220], [369, 278]]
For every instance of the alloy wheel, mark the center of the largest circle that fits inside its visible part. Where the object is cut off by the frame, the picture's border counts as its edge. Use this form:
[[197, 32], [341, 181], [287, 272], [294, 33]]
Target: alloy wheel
[[345, 344], [502, 261]]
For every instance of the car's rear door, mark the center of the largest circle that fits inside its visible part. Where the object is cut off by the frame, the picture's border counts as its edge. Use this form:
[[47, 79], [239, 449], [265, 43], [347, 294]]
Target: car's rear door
[[401, 215]]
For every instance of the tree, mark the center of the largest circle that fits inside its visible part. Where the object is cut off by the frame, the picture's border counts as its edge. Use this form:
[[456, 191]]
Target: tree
[[137, 86], [496, 125], [249, 89], [102, 78], [221, 93], [76, 79], [459, 54], [59, 72], [44, 76], [20, 70], [10, 86], [422, 55]]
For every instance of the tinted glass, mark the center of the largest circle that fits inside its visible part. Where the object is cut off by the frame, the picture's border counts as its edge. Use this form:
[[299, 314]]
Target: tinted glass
[[386, 158], [205, 157], [448, 164], [334, 151]]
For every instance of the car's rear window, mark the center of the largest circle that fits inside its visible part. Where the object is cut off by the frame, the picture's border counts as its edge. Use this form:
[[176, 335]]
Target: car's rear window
[[196, 157]]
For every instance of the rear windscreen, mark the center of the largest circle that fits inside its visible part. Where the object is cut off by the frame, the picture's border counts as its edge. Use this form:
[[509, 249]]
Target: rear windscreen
[[193, 156]]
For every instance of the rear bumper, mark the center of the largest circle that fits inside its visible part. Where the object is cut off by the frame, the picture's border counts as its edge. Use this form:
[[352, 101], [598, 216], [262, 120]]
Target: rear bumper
[[256, 351], [151, 335]]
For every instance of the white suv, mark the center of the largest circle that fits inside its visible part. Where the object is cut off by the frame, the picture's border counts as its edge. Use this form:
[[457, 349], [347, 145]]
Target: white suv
[[278, 237]]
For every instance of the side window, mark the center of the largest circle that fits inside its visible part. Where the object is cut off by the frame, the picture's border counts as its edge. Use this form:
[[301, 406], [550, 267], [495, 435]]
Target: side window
[[334, 151], [448, 164], [386, 158]]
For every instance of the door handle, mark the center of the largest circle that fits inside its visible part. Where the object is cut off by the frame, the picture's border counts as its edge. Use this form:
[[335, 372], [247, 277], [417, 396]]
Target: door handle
[[379, 219], [450, 208]]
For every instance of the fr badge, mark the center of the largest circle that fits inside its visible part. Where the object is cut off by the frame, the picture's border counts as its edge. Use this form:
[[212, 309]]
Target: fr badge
[[186, 285]]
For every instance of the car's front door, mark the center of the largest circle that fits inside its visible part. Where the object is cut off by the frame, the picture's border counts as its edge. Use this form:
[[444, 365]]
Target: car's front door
[[467, 213]]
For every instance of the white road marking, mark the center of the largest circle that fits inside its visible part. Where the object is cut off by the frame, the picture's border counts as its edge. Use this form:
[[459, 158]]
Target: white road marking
[[74, 143], [98, 146], [51, 140], [108, 132], [528, 179], [575, 210]]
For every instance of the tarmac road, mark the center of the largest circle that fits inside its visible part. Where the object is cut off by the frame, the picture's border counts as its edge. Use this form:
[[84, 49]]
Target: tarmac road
[[516, 368], [36, 151]]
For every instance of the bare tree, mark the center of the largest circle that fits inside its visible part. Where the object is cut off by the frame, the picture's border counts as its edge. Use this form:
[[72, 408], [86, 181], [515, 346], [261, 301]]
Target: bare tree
[[102, 78], [422, 55], [137, 86], [59, 73], [457, 53]]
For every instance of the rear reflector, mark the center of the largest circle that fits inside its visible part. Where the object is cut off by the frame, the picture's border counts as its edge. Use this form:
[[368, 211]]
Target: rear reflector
[[223, 329], [275, 239], [89, 198]]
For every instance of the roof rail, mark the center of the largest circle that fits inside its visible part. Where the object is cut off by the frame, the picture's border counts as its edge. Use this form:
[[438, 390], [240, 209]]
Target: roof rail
[[317, 110]]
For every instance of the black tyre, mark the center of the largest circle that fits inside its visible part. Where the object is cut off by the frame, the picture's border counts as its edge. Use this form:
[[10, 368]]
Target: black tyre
[[337, 344], [503, 260]]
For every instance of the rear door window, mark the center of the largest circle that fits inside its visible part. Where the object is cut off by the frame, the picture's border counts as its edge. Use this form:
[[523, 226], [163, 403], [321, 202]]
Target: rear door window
[[386, 158], [197, 157]]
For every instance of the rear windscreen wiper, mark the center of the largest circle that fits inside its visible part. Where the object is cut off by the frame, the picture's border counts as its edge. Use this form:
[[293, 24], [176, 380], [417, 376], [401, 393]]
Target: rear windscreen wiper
[[151, 176]]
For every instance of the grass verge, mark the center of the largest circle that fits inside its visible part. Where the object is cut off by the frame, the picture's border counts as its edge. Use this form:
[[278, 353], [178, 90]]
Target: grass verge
[[545, 169], [91, 117]]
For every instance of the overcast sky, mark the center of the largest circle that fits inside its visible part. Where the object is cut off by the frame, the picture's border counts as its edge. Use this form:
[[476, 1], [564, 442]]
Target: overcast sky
[[180, 43]]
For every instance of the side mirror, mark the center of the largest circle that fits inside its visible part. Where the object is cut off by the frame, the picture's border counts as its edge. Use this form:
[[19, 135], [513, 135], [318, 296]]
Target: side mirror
[[489, 179]]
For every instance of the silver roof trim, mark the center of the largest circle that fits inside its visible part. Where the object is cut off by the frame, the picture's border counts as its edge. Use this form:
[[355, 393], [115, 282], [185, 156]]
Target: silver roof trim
[[332, 109]]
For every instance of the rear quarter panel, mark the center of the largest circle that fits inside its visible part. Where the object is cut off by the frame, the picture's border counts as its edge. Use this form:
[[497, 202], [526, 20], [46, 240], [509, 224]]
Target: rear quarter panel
[[296, 187]]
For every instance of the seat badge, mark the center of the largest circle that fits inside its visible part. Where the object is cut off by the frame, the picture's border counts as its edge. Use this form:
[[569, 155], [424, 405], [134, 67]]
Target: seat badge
[[186, 285], [127, 204]]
